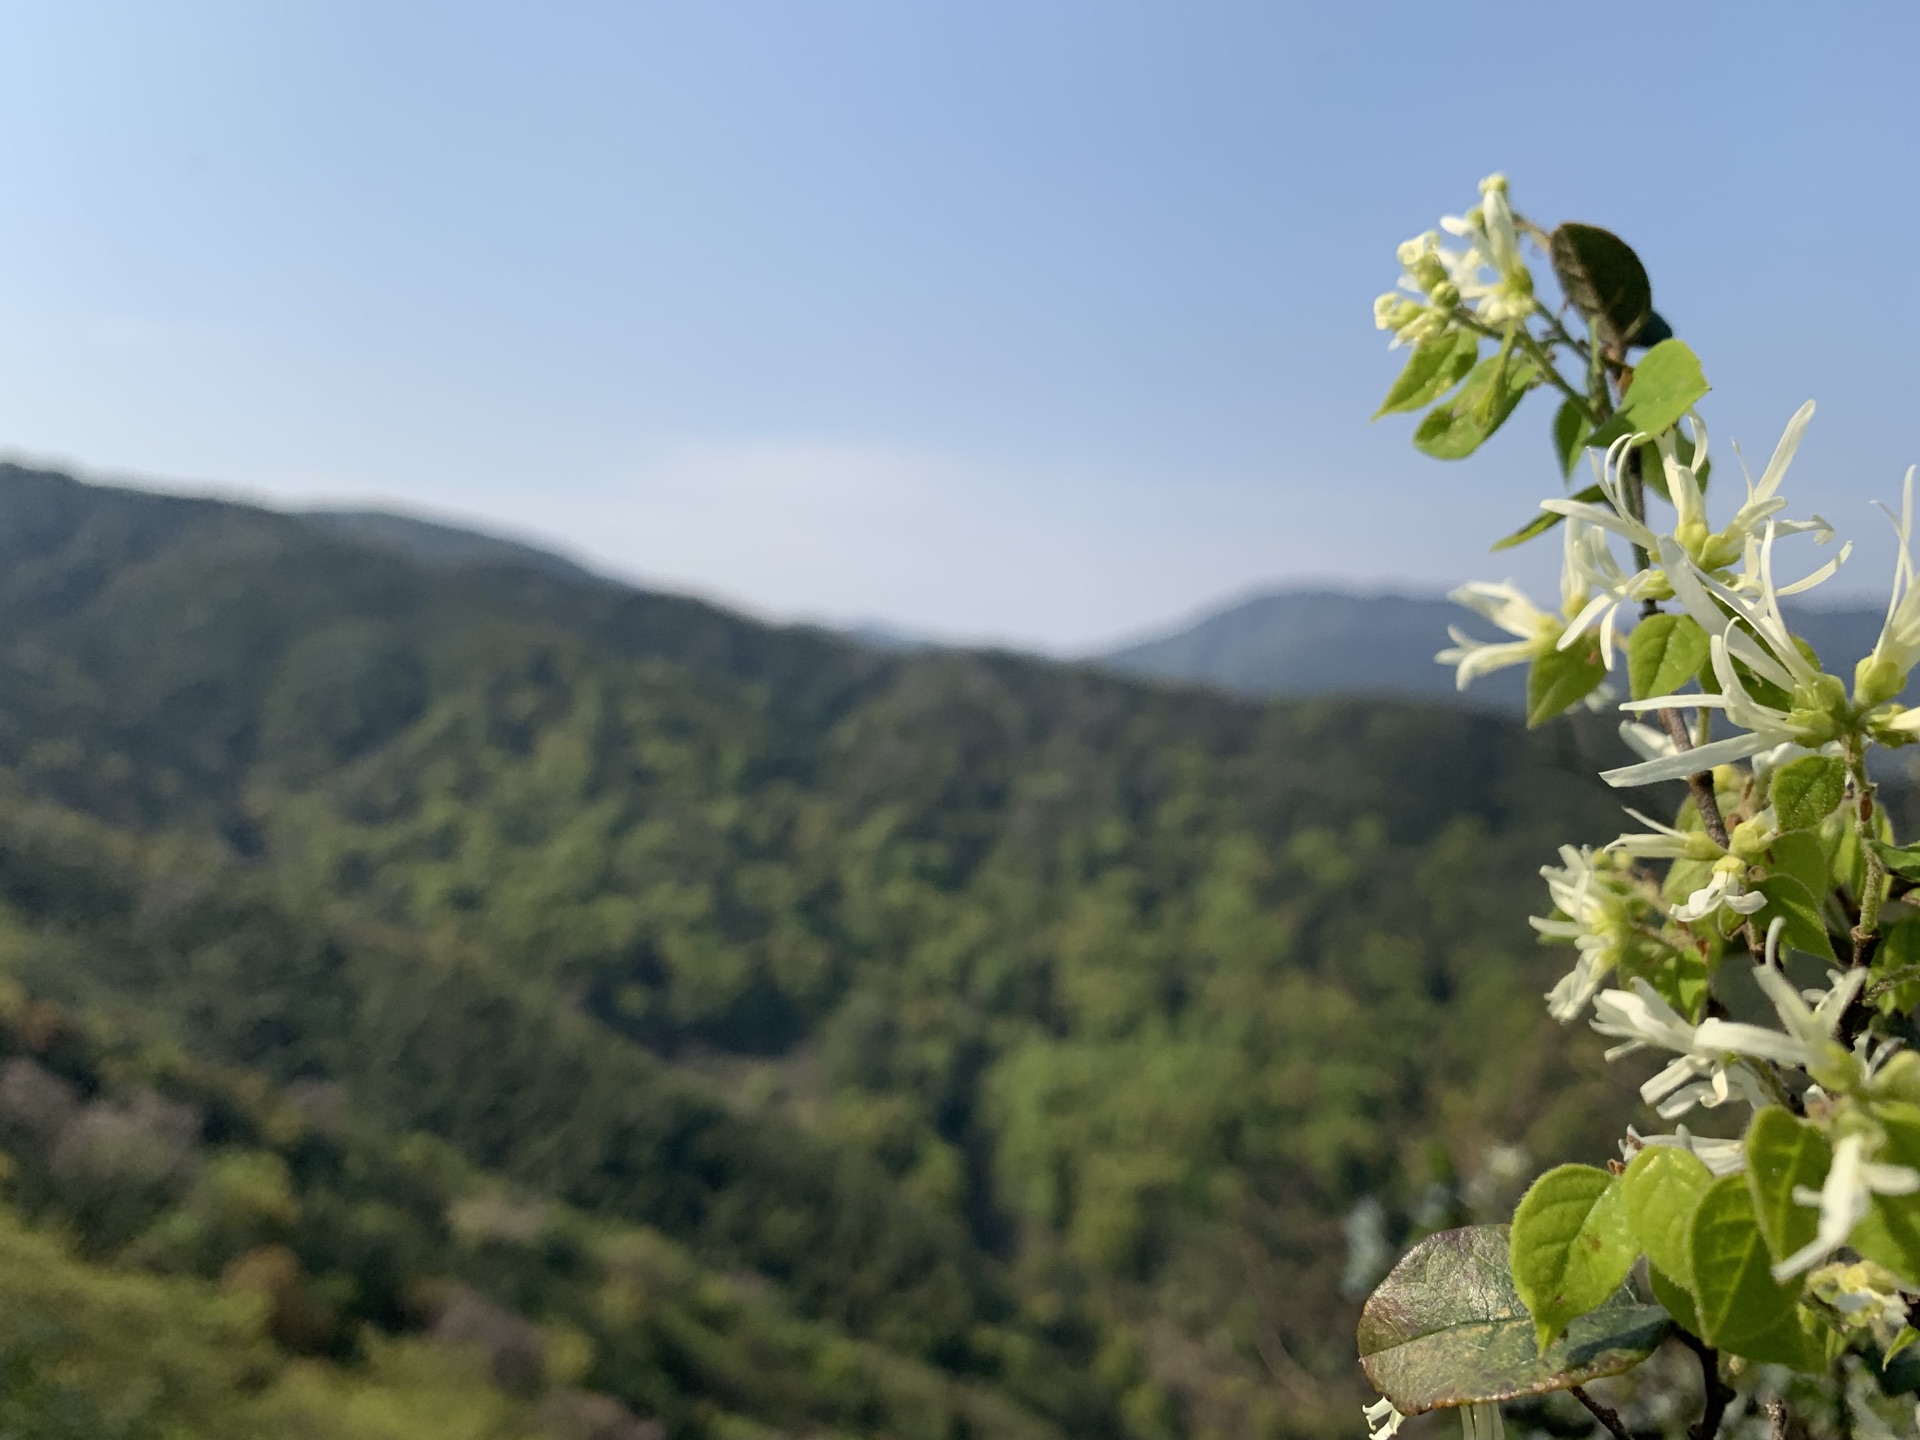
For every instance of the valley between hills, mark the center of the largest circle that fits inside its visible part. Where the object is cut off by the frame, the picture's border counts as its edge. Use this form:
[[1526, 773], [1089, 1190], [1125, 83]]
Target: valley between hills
[[453, 995]]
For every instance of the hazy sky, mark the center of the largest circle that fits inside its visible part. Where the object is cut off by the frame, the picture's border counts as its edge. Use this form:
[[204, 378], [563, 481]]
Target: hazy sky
[[1039, 321]]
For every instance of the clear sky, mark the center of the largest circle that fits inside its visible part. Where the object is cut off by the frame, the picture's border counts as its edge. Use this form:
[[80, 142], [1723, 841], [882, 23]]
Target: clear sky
[[1039, 321]]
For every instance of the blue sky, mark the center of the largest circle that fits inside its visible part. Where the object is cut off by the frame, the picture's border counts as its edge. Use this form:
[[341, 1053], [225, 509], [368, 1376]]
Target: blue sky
[[1044, 322]]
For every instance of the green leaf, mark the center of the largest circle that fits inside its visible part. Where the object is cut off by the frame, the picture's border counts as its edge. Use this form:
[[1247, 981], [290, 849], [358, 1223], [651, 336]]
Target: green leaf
[[1742, 1309], [1603, 278], [1666, 384], [1783, 1152], [1679, 976], [1901, 860], [1899, 1078], [1447, 1327], [1789, 900], [1662, 1187], [1807, 790], [1890, 1233], [1456, 428], [1665, 652], [1561, 679], [1572, 1245], [1800, 854], [1569, 436], [1899, 953], [1847, 858], [1546, 520], [1675, 1299], [1434, 367]]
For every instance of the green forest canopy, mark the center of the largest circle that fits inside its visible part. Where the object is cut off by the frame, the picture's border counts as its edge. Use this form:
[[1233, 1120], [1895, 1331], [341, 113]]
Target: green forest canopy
[[681, 1021]]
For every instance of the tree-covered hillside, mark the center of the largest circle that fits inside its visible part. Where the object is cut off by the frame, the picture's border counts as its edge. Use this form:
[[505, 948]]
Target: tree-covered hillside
[[769, 1033]]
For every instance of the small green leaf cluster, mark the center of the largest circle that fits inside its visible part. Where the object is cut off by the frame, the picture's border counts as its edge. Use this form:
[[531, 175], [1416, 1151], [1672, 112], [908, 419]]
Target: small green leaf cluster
[[1453, 301], [1730, 1256], [1798, 1243]]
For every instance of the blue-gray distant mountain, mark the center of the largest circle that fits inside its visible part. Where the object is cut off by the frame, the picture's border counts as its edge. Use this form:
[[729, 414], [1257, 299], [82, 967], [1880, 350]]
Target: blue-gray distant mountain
[[1324, 642]]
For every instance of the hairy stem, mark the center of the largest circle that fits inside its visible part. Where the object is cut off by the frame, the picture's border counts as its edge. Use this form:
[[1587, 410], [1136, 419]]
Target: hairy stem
[[1777, 1418], [1889, 982], [1605, 1414], [1866, 934]]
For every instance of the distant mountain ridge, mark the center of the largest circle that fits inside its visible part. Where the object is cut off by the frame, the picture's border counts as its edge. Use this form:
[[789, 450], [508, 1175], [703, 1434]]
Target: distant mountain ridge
[[438, 545], [1327, 642], [1293, 643]]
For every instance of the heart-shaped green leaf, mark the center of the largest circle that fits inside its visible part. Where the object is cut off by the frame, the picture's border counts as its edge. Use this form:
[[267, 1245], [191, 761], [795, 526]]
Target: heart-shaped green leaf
[[1790, 900], [1447, 1327], [1800, 854], [1784, 1152], [1662, 1187], [1561, 679], [1742, 1309], [1675, 1298], [1572, 1245], [1665, 652], [1666, 384], [1807, 790]]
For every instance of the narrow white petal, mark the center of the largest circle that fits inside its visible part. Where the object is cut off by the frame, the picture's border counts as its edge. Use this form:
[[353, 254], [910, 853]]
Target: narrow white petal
[[1688, 762]]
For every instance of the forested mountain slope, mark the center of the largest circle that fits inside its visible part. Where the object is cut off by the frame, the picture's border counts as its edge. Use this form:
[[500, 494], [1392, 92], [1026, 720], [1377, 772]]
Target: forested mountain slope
[[970, 1044]]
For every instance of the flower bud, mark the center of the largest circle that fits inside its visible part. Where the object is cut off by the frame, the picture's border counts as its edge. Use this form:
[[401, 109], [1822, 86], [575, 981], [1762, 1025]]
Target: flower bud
[[1876, 680], [1390, 311], [1445, 295], [1428, 273], [1495, 182], [1750, 838], [1691, 535], [1818, 712]]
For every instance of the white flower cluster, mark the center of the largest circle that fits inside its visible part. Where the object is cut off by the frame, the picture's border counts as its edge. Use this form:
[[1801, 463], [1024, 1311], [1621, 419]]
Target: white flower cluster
[[1487, 279], [1779, 841], [1631, 927]]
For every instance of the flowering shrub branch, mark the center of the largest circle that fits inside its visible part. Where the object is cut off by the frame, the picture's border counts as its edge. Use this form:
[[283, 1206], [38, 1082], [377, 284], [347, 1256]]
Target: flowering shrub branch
[[1790, 1247]]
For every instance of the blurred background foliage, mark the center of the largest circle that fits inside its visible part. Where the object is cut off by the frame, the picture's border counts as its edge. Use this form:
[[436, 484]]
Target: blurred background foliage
[[477, 999]]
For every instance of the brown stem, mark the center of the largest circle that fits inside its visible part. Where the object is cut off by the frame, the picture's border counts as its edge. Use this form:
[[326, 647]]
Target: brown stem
[[1708, 804], [1702, 784], [1777, 1418], [1605, 1414], [1719, 1393]]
